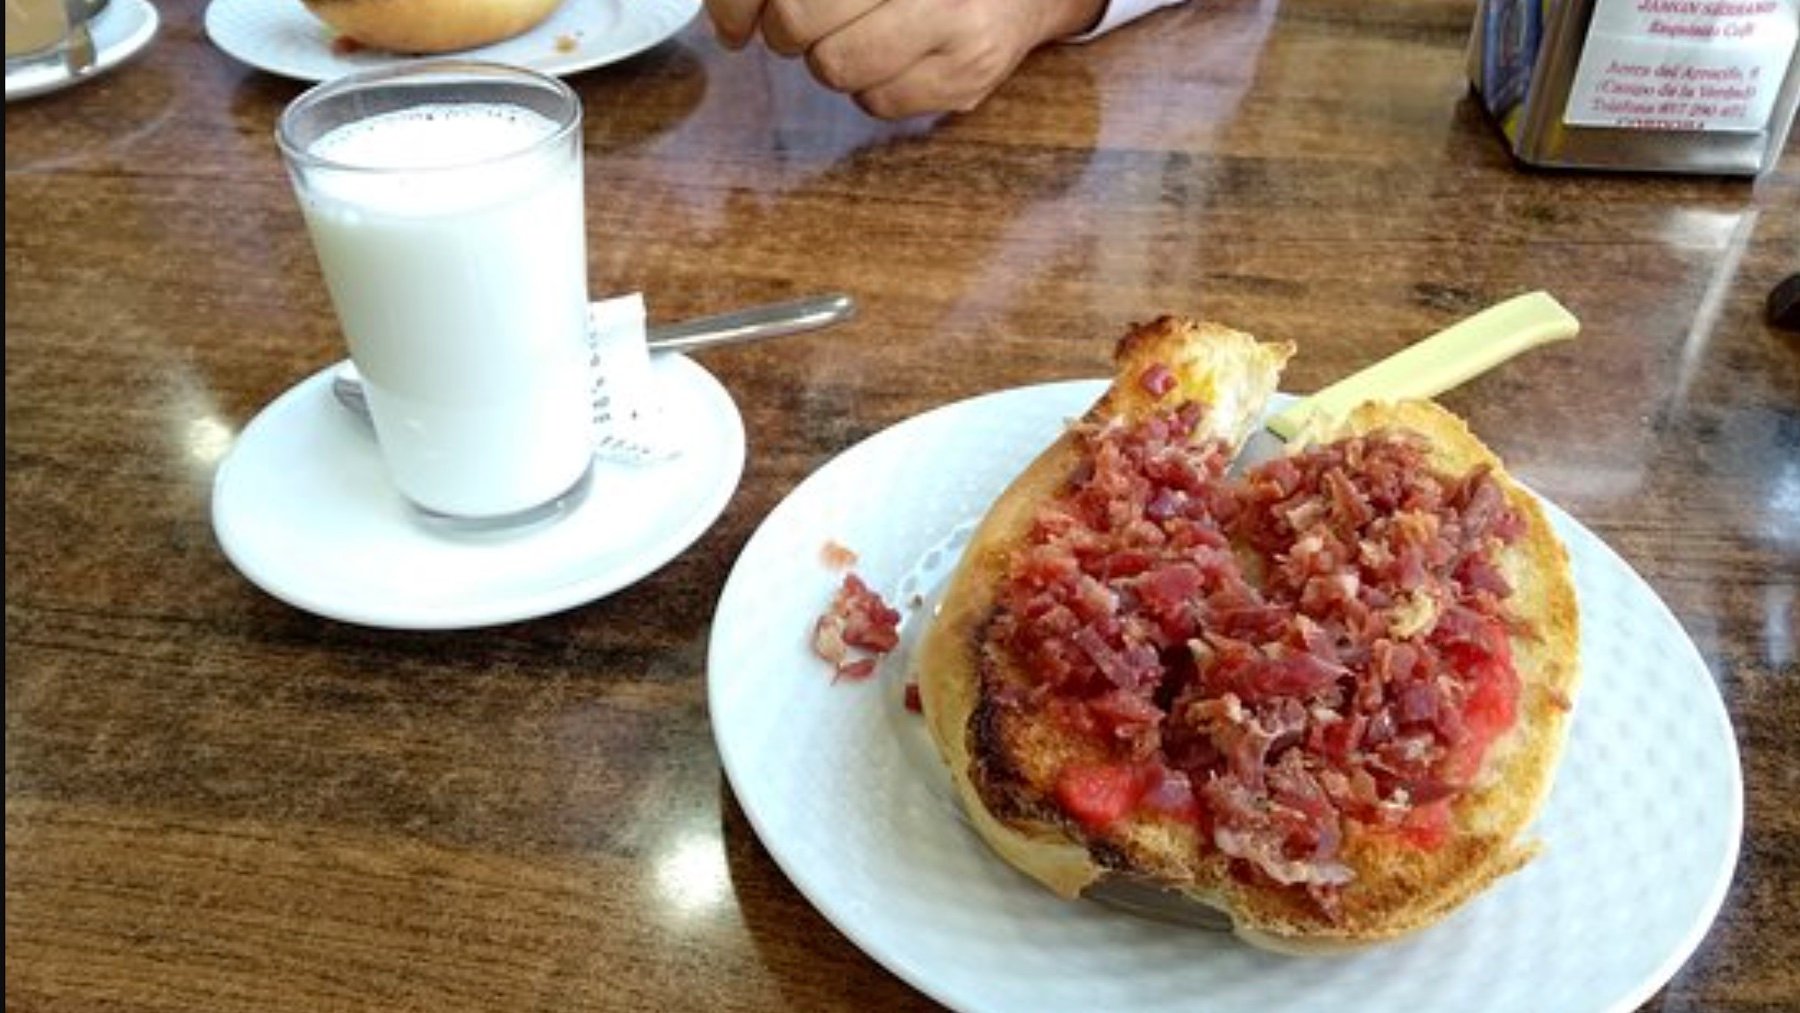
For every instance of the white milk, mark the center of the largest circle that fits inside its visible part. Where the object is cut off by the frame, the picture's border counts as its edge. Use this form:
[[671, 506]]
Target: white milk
[[463, 295]]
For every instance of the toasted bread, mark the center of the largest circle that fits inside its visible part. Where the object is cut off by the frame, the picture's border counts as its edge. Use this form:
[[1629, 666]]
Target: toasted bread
[[1008, 747]]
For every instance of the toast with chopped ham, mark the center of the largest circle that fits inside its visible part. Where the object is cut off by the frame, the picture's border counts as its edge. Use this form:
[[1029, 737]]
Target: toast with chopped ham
[[1324, 694]]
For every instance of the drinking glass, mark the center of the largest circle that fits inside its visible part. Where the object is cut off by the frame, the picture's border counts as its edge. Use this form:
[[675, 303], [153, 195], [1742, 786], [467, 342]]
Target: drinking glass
[[37, 33], [445, 204]]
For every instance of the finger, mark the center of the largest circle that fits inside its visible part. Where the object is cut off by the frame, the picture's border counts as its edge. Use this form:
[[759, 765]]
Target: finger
[[907, 57], [939, 83], [734, 21], [983, 44], [879, 46], [791, 27]]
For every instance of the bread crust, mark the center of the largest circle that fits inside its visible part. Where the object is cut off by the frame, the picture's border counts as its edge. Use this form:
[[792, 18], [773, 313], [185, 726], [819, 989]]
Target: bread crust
[[1004, 763], [431, 26]]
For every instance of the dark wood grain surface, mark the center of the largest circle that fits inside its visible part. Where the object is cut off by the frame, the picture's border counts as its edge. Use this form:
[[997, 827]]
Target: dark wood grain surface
[[215, 801]]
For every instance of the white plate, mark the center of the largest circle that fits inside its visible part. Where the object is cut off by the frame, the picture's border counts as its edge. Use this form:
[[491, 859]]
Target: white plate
[[283, 37], [841, 783], [121, 30], [302, 506]]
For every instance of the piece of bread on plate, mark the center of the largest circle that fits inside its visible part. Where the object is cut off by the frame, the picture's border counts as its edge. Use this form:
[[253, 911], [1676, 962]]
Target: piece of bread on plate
[[431, 26], [1325, 695]]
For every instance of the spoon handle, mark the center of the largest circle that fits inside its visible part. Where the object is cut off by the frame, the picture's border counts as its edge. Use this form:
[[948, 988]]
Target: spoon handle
[[752, 324]]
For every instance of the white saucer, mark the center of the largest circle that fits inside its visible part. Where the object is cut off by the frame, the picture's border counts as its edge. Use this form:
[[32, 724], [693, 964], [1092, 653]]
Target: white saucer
[[121, 30], [302, 506], [283, 37]]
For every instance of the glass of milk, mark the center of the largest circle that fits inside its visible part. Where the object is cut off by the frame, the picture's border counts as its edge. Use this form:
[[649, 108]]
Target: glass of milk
[[445, 203]]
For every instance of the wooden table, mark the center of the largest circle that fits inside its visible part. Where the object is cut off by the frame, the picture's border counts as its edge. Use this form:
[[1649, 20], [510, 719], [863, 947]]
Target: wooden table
[[217, 801]]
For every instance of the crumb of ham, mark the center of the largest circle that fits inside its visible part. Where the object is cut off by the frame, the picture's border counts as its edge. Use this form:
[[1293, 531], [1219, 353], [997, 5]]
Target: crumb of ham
[[856, 630], [838, 556], [1157, 380]]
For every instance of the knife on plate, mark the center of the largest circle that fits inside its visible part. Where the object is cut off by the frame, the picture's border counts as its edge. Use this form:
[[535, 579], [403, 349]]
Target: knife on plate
[[1435, 364]]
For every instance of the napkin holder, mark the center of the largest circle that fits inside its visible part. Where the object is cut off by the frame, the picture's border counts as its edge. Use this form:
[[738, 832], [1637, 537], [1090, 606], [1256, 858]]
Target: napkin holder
[[1686, 86]]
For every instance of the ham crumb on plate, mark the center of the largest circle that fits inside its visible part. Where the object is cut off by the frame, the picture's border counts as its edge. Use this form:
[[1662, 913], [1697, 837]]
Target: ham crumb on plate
[[838, 556], [856, 631]]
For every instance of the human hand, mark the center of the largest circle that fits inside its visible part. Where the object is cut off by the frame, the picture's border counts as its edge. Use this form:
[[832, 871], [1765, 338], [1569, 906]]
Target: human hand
[[900, 58]]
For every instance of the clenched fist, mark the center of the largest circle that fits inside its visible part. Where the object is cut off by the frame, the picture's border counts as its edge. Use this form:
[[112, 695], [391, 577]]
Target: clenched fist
[[903, 57]]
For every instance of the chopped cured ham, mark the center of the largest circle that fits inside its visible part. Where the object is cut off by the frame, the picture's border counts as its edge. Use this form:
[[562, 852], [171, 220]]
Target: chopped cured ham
[[1319, 642], [838, 556], [856, 630]]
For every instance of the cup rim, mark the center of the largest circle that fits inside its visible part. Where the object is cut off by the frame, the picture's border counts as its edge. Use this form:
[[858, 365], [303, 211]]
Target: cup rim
[[447, 69]]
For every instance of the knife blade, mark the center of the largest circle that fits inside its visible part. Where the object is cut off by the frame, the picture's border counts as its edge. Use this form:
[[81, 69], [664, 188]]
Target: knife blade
[[1435, 364]]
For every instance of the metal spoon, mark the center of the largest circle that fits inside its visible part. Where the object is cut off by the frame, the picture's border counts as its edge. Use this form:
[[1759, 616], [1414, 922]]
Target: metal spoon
[[754, 324]]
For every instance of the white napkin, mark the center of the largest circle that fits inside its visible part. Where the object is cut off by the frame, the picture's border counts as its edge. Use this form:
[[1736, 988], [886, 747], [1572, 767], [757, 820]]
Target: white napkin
[[630, 420]]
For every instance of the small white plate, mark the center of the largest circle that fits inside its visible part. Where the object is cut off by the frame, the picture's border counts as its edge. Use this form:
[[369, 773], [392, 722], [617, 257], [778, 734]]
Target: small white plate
[[283, 37], [302, 506], [845, 790], [121, 30]]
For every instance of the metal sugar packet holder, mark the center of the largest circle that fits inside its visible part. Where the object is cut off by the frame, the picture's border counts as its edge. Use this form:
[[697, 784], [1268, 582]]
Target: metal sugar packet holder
[[1688, 86]]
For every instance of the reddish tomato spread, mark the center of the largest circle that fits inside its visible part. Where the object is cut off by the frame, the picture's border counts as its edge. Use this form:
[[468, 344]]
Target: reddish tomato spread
[[1322, 640]]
